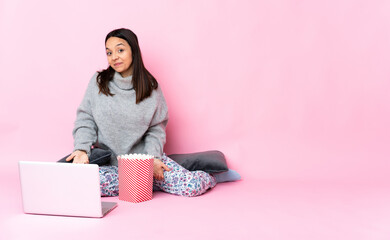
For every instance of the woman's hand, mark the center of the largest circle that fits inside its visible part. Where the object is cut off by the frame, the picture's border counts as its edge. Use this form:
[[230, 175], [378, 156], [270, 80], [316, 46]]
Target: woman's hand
[[78, 157], [158, 169]]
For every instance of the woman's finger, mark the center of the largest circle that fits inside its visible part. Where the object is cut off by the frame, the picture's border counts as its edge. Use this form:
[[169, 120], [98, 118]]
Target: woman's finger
[[71, 156], [166, 168], [78, 160], [160, 175]]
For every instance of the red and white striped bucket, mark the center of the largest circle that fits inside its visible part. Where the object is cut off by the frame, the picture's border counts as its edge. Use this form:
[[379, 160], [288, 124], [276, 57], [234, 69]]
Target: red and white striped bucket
[[135, 177]]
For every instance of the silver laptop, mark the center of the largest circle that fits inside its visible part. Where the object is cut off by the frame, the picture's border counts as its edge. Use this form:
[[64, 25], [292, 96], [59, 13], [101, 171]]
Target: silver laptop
[[62, 189]]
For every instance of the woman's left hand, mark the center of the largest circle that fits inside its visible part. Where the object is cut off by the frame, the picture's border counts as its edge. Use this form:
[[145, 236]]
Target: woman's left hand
[[158, 169]]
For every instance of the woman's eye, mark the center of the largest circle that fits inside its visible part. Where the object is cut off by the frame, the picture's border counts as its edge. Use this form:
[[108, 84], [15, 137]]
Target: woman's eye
[[121, 50], [108, 53]]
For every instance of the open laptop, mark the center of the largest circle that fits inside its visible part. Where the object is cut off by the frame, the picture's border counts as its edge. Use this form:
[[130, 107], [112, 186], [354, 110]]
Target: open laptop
[[62, 189]]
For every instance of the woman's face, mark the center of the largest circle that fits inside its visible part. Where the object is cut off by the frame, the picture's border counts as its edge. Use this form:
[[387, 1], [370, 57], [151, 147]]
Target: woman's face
[[119, 56]]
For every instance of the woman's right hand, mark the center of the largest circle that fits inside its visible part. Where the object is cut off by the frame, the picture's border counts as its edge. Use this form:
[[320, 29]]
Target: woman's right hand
[[78, 156], [158, 169]]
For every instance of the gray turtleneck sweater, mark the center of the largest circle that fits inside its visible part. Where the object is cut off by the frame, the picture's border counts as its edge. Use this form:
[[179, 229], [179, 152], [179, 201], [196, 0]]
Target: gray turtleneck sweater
[[119, 124]]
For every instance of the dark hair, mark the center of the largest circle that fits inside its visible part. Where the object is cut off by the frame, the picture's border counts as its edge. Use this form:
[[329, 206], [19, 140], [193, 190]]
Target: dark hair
[[143, 81]]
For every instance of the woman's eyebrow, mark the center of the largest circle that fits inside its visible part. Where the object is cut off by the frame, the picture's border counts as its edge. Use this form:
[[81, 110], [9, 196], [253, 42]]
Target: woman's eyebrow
[[116, 45]]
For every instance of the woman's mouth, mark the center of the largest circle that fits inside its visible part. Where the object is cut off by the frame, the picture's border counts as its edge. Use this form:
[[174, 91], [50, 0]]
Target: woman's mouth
[[117, 64]]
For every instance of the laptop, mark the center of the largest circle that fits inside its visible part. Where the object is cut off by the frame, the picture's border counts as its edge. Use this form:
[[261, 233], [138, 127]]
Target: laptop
[[62, 189]]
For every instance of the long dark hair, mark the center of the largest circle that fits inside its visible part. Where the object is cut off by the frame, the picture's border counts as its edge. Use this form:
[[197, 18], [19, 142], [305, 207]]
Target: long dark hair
[[143, 81]]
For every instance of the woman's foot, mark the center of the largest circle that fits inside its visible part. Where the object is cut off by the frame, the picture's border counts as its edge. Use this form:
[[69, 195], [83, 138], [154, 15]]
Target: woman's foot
[[228, 176]]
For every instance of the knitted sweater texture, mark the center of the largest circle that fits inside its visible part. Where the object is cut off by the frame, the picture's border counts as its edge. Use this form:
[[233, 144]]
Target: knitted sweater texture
[[117, 123]]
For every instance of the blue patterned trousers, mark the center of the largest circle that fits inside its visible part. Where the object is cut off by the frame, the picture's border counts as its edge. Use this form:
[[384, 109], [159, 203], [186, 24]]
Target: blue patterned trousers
[[178, 181]]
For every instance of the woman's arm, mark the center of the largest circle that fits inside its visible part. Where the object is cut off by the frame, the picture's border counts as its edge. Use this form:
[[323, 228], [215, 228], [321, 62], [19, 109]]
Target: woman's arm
[[155, 136], [85, 129]]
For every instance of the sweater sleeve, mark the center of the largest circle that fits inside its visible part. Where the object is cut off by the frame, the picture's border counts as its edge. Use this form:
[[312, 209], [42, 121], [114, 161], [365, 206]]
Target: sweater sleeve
[[155, 136], [85, 129]]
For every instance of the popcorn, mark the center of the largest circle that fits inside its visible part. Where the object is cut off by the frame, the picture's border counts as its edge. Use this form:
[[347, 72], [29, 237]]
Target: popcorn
[[135, 177]]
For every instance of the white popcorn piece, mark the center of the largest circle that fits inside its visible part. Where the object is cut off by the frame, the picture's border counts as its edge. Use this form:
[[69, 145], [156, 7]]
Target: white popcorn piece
[[135, 157]]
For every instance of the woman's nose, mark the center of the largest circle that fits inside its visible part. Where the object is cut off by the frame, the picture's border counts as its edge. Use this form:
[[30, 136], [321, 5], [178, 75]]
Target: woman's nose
[[114, 56]]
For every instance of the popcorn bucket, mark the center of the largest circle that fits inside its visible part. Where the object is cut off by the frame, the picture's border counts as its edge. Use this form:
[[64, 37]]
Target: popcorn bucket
[[135, 177]]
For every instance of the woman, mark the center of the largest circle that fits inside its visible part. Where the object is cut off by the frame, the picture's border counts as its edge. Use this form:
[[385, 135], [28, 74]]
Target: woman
[[124, 111]]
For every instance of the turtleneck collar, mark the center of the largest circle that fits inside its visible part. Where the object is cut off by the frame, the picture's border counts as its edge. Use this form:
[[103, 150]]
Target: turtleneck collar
[[124, 83]]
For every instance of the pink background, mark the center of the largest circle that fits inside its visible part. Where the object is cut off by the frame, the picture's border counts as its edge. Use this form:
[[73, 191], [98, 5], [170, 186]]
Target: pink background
[[286, 89], [295, 93]]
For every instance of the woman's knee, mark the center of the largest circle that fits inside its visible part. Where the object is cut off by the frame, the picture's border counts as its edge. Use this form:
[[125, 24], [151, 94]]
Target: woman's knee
[[195, 186]]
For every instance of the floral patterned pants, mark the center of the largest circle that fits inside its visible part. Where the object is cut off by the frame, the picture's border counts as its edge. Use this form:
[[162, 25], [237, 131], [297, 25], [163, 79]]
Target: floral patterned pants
[[178, 181]]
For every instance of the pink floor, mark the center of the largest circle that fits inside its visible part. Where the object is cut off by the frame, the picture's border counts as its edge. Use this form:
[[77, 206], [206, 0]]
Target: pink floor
[[248, 209]]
